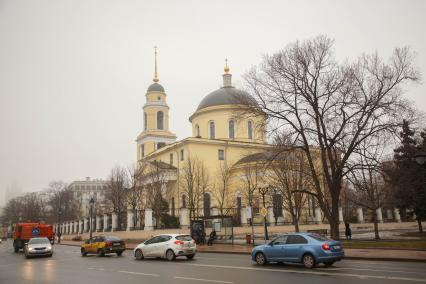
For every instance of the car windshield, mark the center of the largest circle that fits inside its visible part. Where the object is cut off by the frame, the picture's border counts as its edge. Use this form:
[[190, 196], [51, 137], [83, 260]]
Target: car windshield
[[38, 241], [112, 238], [319, 238], [185, 238]]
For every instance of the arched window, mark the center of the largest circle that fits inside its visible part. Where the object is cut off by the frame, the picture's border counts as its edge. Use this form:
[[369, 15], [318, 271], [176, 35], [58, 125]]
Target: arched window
[[173, 206], [231, 127], [211, 130], [207, 204], [183, 201], [197, 131], [145, 121], [160, 119], [250, 129]]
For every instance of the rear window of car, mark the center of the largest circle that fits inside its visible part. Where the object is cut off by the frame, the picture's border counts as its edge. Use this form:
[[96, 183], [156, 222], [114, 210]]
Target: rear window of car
[[319, 238], [185, 238], [38, 241], [112, 238]]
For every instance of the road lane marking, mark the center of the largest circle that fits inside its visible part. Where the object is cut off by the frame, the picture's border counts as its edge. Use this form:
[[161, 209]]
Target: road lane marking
[[96, 268], [203, 280], [360, 276], [369, 269], [139, 273]]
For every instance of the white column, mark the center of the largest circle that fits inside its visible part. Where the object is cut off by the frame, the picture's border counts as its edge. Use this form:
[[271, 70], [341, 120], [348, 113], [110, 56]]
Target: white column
[[148, 220], [82, 226], [318, 217], [270, 217], [86, 224], [389, 214], [379, 215], [114, 221], [396, 214], [184, 218], [341, 215], [98, 223], [129, 220], [105, 222], [360, 215], [245, 214], [67, 228], [75, 227]]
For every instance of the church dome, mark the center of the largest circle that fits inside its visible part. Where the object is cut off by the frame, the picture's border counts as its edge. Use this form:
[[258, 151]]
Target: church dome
[[155, 88], [225, 96]]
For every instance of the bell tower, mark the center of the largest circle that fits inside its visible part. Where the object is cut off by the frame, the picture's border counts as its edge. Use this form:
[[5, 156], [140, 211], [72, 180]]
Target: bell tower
[[156, 133]]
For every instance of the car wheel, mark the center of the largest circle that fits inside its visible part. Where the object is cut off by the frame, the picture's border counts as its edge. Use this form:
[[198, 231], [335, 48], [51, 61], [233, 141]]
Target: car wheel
[[139, 254], [329, 263], [119, 253], [83, 252], [170, 255], [308, 260], [260, 258], [191, 256], [50, 255], [100, 252], [16, 249]]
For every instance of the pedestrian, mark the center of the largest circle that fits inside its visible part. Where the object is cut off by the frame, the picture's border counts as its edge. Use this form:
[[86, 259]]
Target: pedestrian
[[211, 238], [348, 232]]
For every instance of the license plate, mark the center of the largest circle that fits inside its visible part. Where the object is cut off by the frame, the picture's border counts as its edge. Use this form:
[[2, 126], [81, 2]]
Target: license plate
[[116, 244], [337, 247]]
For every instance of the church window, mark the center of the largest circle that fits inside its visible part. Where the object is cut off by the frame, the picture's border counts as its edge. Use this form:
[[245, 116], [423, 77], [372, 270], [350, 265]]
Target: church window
[[197, 131], [160, 145], [231, 126], [250, 129], [160, 120], [206, 205], [183, 201], [221, 154], [145, 122], [171, 159], [211, 130], [143, 150], [181, 155], [158, 98], [173, 206]]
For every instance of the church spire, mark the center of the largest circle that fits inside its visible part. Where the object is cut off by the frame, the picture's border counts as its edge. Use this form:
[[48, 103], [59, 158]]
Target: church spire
[[227, 77], [155, 71]]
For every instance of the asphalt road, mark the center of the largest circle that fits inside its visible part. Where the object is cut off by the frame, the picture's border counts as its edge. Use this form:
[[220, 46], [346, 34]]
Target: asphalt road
[[67, 266]]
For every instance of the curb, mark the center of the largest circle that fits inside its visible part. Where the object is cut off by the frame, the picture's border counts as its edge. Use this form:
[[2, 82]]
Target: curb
[[346, 257]]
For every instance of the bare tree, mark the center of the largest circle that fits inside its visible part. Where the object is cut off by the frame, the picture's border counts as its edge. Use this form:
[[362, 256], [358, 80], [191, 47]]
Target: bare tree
[[117, 194], [194, 183], [290, 175], [155, 184], [222, 190], [135, 190], [367, 177], [328, 109], [61, 201]]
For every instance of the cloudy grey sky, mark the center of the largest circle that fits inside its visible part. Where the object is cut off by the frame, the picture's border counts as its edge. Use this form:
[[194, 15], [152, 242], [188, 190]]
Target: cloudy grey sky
[[73, 74]]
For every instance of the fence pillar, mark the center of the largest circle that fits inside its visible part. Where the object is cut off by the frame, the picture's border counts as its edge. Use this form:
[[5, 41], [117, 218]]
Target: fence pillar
[[148, 220], [114, 222], [397, 215], [341, 215], [129, 220], [379, 215], [318, 217], [360, 215], [105, 227]]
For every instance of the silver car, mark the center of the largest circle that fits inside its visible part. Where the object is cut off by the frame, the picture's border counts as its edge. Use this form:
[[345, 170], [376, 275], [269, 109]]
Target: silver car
[[167, 246], [38, 247]]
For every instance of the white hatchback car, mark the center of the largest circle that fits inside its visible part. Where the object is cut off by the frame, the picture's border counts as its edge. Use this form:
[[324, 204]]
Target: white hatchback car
[[167, 246]]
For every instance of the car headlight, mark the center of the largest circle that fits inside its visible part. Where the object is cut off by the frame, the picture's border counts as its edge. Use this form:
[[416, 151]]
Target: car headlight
[[49, 248], [30, 249]]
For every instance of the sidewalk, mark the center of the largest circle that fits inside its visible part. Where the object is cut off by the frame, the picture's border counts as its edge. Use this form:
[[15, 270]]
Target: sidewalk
[[366, 254]]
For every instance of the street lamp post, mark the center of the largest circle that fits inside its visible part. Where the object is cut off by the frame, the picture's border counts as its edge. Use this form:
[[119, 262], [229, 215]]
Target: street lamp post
[[92, 202], [59, 222], [263, 191]]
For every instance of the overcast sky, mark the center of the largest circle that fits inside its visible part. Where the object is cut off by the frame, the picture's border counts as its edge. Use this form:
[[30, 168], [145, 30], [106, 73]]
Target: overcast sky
[[73, 74]]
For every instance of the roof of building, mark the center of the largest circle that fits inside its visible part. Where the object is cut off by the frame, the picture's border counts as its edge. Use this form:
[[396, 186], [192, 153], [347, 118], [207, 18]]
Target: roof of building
[[266, 157], [163, 165], [225, 96], [155, 87]]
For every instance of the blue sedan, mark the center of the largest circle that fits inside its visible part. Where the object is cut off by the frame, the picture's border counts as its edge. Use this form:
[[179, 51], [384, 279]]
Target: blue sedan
[[309, 249]]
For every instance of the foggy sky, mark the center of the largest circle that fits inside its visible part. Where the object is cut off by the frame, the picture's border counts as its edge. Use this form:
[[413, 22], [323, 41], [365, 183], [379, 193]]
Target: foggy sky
[[73, 74]]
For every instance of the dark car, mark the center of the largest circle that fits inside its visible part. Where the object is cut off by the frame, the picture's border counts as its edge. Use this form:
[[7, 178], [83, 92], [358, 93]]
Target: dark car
[[102, 245], [309, 249]]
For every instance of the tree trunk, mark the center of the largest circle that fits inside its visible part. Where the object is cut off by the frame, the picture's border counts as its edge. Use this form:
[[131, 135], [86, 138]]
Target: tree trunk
[[334, 218], [419, 222], [296, 225], [376, 226]]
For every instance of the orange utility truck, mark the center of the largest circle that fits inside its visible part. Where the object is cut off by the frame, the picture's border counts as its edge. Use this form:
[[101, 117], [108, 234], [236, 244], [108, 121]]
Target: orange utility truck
[[25, 231]]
